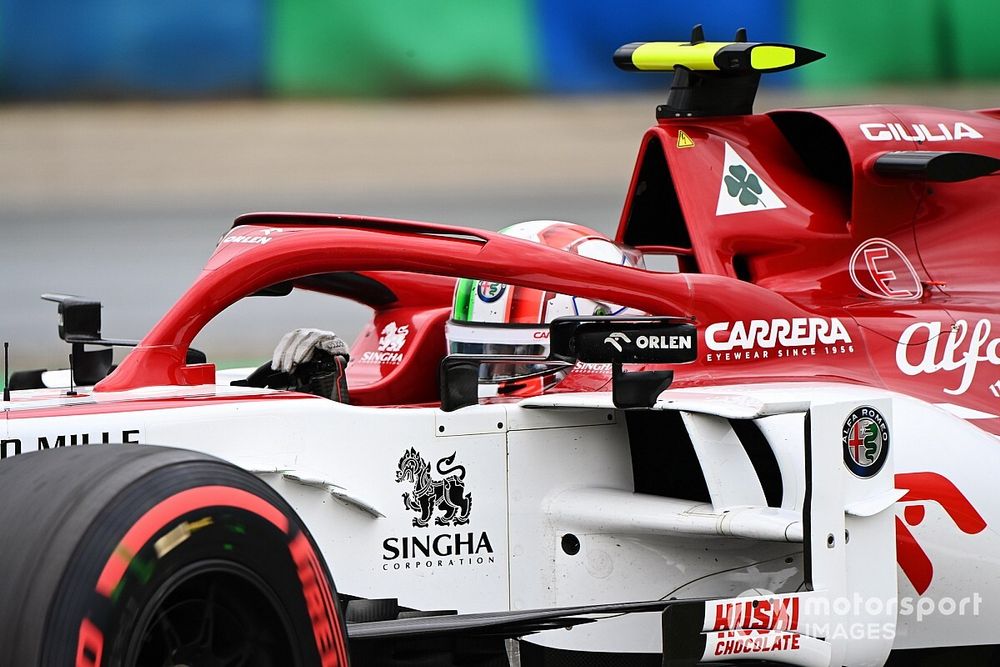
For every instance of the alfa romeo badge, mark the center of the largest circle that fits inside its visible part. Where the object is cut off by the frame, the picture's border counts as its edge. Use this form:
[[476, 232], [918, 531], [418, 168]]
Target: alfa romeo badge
[[866, 442]]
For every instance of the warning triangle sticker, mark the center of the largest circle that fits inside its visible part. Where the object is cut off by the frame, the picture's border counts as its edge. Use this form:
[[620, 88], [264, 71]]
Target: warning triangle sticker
[[741, 189], [683, 140]]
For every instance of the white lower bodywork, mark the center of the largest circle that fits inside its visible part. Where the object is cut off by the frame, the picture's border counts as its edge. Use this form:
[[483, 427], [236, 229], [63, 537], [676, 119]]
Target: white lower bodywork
[[547, 467]]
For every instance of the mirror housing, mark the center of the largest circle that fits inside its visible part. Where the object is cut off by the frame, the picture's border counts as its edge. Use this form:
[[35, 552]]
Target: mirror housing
[[79, 318], [599, 339], [627, 340]]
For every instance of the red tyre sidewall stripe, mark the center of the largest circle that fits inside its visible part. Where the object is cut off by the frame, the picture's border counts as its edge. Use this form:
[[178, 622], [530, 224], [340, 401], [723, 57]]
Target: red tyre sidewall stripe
[[322, 613], [331, 612], [91, 642], [326, 627], [169, 510]]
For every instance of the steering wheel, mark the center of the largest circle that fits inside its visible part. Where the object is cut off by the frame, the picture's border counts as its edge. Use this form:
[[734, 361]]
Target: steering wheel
[[323, 376], [265, 376]]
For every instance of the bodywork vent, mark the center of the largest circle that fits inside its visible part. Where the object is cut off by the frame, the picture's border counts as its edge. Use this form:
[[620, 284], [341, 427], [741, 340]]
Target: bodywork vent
[[654, 214], [821, 149], [664, 462]]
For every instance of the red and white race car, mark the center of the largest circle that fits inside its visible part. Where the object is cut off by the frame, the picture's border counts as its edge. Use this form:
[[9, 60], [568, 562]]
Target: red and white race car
[[813, 488]]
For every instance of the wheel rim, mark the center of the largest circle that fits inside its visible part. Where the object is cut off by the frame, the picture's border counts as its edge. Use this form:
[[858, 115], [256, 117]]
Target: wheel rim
[[213, 614]]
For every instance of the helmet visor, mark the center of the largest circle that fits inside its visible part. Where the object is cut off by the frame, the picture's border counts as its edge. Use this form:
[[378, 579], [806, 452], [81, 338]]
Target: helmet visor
[[479, 338]]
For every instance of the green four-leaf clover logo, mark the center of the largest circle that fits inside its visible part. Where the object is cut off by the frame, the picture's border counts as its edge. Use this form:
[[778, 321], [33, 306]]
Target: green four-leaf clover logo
[[744, 185]]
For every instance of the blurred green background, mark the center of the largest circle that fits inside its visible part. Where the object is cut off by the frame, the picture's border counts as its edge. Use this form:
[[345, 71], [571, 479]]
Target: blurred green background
[[59, 49]]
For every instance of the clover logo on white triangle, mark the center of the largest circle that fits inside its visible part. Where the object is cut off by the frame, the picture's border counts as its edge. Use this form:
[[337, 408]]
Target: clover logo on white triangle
[[741, 189]]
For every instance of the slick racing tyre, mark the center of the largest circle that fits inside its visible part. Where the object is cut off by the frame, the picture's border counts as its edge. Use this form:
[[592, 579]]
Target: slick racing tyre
[[126, 555]]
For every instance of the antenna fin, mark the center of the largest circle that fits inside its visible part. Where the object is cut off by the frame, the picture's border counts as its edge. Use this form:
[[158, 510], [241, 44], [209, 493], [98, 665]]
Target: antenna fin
[[697, 34], [741, 35]]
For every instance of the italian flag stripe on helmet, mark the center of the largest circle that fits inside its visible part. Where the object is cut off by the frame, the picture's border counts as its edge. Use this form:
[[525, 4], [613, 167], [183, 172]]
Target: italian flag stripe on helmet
[[464, 290]]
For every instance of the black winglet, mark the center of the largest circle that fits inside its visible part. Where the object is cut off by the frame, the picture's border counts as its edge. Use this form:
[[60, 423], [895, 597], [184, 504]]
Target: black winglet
[[935, 166], [515, 623]]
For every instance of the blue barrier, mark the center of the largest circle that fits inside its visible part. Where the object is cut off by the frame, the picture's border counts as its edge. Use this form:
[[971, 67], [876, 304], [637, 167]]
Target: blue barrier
[[178, 48], [71, 48], [577, 37]]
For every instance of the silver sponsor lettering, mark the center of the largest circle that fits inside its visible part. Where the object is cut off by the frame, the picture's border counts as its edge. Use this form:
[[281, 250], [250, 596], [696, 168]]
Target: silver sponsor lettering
[[251, 240], [964, 347], [663, 342], [371, 357], [659, 342], [918, 132], [767, 334]]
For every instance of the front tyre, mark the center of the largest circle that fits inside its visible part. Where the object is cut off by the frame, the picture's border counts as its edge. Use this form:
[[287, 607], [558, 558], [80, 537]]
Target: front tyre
[[125, 555]]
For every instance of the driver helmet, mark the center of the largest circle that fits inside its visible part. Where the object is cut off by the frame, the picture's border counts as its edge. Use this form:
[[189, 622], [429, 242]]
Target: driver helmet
[[499, 319]]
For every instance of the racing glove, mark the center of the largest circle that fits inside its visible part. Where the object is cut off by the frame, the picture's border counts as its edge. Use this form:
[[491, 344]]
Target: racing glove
[[300, 345], [315, 361]]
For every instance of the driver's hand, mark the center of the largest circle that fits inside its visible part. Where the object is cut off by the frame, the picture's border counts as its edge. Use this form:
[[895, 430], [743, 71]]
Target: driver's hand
[[300, 345]]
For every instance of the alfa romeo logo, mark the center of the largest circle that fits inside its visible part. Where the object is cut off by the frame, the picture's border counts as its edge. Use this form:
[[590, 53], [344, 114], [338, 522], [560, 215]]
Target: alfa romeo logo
[[490, 291], [866, 442]]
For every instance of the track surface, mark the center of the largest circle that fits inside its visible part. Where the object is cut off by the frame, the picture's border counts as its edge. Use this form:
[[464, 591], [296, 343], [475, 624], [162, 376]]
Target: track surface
[[125, 202]]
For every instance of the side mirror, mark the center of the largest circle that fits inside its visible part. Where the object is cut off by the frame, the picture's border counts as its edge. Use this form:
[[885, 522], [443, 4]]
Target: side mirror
[[80, 325], [614, 340], [79, 318], [634, 340]]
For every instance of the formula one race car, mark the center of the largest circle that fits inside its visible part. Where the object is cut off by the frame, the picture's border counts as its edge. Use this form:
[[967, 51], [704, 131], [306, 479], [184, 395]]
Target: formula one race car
[[762, 451]]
